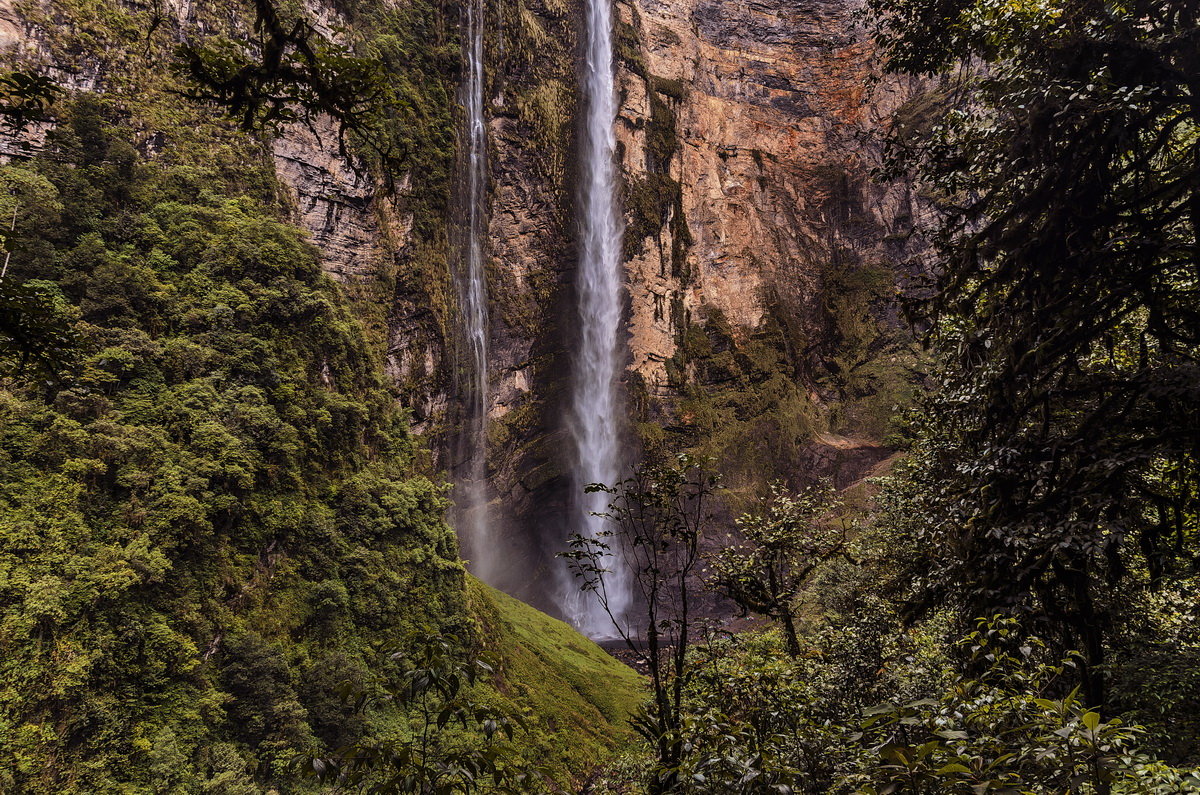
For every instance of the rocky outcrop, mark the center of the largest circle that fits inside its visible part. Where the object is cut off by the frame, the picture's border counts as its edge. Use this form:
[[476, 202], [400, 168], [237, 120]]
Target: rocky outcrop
[[771, 107], [334, 200]]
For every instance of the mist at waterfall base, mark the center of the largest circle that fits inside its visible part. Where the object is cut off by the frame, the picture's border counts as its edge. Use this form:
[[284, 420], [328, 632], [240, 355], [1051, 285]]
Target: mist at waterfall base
[[471, 491], [595, 406]]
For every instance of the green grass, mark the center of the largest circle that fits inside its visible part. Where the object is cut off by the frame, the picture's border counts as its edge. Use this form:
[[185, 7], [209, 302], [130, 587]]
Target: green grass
[[576, 698]]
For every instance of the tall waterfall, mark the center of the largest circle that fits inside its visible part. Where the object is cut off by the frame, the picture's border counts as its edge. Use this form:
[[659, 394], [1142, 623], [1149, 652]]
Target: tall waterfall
[[471, 490], [594, 421]]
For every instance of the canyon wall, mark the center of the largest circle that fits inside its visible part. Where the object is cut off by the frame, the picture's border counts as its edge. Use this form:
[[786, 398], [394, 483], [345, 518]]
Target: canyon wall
[[760, 257], [750, 130]]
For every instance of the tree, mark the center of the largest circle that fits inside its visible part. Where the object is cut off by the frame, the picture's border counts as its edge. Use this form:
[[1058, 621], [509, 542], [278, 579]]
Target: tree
[[1061, 456], [292, 73], [433, 686], [216, 449], [759, 722], [783, 543], [1015, 725], [25, 97], [35, 319], [657, 518], [35, 325]]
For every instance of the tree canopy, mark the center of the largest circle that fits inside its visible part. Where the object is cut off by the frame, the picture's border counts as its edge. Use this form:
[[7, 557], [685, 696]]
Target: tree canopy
[[1062, 154]]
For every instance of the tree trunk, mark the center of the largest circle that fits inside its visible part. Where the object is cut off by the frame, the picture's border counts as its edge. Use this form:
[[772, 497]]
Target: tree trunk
[[789, 631]]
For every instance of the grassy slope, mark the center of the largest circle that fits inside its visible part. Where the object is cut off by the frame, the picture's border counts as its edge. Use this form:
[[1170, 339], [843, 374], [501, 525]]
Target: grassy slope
[[576, 697]]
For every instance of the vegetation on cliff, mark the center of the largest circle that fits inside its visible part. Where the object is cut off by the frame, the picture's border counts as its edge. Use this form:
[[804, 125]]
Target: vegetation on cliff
[[211, 510], [214, 523], [214, 517]]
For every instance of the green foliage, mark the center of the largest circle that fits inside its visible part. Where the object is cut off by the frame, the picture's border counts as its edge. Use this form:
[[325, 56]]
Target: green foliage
[[213, 502], [1155, 667], [35, 325], [530, 51], [658, 517], [293, 74], [433, 687], [25, 97], [1003, 729], [759, 720], [782, 543], [1058, 462], [741, 401]]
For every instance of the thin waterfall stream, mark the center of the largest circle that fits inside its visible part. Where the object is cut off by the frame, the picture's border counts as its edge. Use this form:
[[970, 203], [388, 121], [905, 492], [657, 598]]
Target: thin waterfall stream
[[595, 426], [471, 500]]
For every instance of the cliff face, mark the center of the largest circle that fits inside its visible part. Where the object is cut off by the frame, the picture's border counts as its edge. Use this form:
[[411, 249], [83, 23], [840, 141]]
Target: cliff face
[[750, 129], [768, 102], [759, 256]]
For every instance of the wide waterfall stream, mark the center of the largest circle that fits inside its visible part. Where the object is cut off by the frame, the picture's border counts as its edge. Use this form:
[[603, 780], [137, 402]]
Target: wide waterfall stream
[[594, 423], [472, 498]]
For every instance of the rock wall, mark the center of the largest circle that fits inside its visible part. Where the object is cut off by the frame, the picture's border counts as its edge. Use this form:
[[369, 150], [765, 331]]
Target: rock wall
[[773, 108], [745, 134], [532, 99]]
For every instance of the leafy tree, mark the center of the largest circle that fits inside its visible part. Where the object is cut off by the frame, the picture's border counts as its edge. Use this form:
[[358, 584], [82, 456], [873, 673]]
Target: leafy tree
[[25, 97], [295, 71], [292, 72], [760, 720], [1007, 728], [657, 519], [783, 542], [35, 319], [35, 325], [1013, 721], [1060, 457], [433, 686]]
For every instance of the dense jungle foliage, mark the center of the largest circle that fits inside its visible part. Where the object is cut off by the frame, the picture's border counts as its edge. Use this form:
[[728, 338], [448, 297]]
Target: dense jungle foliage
[[215, 526], [211, 514]]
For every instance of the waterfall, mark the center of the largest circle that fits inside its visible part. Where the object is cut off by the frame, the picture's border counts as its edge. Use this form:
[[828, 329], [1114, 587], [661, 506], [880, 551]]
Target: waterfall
[[471, 497], [595, 430]]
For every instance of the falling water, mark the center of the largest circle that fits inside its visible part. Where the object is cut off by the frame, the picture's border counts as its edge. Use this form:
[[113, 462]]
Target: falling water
[[594, 405], [471, 499]]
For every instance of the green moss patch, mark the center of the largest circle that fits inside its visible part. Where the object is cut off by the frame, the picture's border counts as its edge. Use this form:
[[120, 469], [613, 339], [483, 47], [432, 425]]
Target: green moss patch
[[576, 697]]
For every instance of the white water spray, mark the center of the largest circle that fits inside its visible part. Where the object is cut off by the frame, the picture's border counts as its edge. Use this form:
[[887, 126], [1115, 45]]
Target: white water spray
[[472, 497], [594, 421]]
